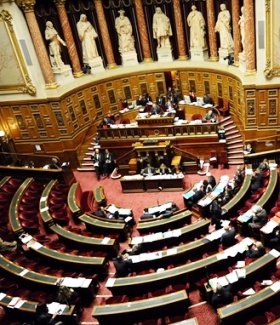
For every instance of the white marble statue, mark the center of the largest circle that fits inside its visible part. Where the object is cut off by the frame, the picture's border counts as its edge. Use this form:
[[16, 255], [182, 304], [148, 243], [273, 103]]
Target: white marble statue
[[241, 24], [55, 42], [224, 29], [124, 30], [196, 23], [161, 28], [87, 35]]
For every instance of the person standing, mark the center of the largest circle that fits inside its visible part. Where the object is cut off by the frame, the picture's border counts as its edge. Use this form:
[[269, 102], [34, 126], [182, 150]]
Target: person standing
[[161, 28], [54, 45], [87, 36], [97, 159], [124, 30], [196, 23], [224, 29], [108, 163]]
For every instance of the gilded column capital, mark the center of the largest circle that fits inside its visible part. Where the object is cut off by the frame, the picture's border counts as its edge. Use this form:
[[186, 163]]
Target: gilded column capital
[[26, 5], [59, 3]]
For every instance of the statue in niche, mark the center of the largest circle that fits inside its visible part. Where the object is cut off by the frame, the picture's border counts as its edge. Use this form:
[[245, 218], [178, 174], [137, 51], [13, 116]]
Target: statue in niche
[[124, 30], [196, 23], [55, 42], [224, 29], [241, 24], [161, 28], [87, 36]]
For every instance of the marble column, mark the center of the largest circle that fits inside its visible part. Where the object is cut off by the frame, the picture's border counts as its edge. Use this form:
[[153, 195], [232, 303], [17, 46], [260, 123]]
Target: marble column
[[105, 35], [69, 39], [143, 31], [212, 37], [250, 53], [235, 9], [179, 31], [40, 48]]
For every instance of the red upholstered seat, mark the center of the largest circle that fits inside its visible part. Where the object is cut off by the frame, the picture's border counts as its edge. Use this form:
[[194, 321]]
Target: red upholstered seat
[[258, 320], [213, 160]]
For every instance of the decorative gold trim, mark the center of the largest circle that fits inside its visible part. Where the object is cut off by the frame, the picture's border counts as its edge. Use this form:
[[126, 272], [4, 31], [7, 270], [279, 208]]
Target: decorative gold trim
[[272, 68], [19, 80]]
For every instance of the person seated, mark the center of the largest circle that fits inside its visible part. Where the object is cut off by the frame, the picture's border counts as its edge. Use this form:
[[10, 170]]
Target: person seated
[[207, 187], [7, 246], [248, 149], [148, 98], [124, 104], [68, 296], [240, 173], [264, 166], [97, 139], [156, 110], [192, 96], [43, 317], [54, 164], [122, 265], [274, 241], [198, 194], [256, 181], [170, 108], [160, 100], [228, 237], [100, 212], [141, 101], [211, 179], [210, 116], [259, 216], [216, 214], [176, 170], [221, 296], [135, 249], [163, 170], [207, 99], [226, 195], [106, 121], [257, 250], [149, 170], [166, 214], [111, 116], [236, 186]]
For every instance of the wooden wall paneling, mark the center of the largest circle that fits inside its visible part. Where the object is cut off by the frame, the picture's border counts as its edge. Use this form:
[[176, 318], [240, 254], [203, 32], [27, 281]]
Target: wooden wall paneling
[[184, 82], [160, 84], [135, 89], [262, 108], [151, 82]]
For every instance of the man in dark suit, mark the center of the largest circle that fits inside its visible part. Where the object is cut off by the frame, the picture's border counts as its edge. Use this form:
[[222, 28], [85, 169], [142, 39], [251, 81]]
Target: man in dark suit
[[257, 250], [211, 180], [160, 100], [122, 265], [156, 110], [108, 163], [228, 237], [97, 159], [222, 296], [192, 201], [54, 164], [149, 170], [256, 181], [163, 170]]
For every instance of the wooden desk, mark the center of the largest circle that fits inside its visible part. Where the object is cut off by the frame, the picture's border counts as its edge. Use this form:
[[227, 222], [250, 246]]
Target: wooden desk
[[130, 312], [188, 232], [13, 210], [193, 272], [241, 311], [102, 226], [4, 180], [74, 192], [132, 184], [175, 221], [155, 120]]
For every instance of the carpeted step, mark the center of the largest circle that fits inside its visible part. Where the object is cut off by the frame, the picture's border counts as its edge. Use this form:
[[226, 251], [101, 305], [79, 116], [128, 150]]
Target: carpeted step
[[85, 169], [87, 164], [236, 162], [234, 141], [235, 146], [234, 137], [86, 159], [232, 131]]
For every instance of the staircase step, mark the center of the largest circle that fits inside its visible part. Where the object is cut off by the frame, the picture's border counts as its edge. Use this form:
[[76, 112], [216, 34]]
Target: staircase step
[[87, 164], [235, 146], [227, 124], [230, 127], [85, 169], [234, 137], [234, 141], [236, 162], [86, 159], [232, 131]]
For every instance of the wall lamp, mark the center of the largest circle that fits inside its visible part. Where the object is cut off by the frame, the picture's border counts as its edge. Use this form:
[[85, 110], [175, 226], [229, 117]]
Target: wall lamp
[[4, 137]]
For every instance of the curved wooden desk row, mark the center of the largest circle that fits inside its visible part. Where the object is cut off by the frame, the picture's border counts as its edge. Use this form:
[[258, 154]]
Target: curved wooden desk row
[[75, 240], [242, 310], [46, 282], [191, 273], [255, 271], [175, 221], [94, 264], [104, 226], [174, 255], [268, 196], [74, 192], [4, 180], [172, 237], [27, 308], [130, 312]]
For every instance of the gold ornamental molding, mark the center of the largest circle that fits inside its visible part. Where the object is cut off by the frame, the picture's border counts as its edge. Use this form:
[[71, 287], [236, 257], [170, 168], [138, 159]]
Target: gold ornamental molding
[[14, 77], [272, 66]]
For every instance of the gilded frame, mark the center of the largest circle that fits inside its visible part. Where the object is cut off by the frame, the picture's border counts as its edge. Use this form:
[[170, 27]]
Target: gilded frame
[[272, 67], [14, 76]]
